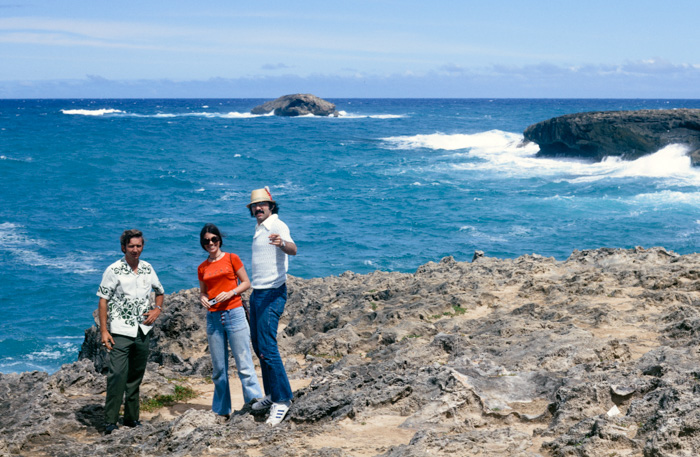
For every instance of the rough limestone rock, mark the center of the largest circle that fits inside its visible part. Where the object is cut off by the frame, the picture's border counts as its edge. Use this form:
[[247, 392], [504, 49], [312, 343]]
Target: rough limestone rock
[[592, 356], [297, 105], [626, 134]]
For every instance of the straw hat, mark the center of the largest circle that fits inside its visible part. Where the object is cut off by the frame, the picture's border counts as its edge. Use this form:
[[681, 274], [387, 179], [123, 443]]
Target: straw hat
[[260, 195]]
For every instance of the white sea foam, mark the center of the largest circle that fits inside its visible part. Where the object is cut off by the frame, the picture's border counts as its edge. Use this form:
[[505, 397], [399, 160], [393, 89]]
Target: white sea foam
[[12, 235], [234, 196], [91, 112], [116, 112], [670, 163], [229, 115], [668, 197], [346, 115], [505, 153], [13, 239], [475, 234], [14, 159], [51, 352], [491, 141]]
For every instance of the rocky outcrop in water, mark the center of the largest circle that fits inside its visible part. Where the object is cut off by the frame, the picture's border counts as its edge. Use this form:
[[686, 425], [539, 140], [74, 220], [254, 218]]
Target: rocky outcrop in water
[[593, 356], [626, 134], [297, 105]]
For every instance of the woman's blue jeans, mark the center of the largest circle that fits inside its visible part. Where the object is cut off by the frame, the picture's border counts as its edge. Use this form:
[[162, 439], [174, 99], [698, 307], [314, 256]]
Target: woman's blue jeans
[[266, 307], [226, 328]]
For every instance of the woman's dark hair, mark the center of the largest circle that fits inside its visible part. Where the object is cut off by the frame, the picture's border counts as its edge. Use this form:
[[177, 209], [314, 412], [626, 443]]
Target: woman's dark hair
[[274, 208], [213, 229]]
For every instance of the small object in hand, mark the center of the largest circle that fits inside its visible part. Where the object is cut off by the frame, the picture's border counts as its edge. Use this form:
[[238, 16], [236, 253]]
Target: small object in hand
[[212, 301]]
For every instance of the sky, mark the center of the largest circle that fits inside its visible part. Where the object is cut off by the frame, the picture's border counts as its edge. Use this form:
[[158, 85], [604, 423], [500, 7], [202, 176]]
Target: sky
[[356, 48]]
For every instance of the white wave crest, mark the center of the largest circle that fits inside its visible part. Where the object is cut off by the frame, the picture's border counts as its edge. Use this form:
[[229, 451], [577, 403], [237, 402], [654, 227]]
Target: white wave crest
[[231, 115], [671, 163], [491, 141], [52, 352], [506, 154], [346, 115], [116, 112], [475, 234], [14, 240], [13, 159], [91, 112], [235, 115], [669, 197]]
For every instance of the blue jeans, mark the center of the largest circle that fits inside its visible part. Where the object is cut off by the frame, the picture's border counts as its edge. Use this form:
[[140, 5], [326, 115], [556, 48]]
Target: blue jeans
[[266, 307], [226, 328]]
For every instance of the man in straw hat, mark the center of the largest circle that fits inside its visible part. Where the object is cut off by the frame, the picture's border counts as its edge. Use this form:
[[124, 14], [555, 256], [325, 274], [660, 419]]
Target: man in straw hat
[[272, 243]]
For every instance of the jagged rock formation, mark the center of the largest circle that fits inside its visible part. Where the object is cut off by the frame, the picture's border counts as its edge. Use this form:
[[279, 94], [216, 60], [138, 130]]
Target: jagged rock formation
[[297, 105], [593, 356], [627, 134]]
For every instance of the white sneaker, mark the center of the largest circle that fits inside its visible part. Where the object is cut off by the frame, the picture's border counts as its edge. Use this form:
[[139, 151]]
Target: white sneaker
[[277, 413], [262, 404]]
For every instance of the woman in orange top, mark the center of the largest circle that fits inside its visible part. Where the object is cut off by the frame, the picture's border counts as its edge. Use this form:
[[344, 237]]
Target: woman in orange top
[[222, 278]]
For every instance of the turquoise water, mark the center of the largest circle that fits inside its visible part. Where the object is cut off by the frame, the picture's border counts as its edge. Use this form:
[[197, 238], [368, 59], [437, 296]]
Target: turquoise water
[[390, 185]]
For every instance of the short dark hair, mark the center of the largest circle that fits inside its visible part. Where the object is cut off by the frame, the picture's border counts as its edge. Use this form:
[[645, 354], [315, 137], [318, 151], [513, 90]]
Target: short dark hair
[[129, 234], [210, 228], [274, 208]]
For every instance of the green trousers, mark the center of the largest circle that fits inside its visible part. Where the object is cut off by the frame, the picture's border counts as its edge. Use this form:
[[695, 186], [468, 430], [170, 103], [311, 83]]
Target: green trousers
[[127, 364]]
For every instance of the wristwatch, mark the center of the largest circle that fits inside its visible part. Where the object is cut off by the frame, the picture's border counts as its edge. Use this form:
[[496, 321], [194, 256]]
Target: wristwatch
[[283, 244]]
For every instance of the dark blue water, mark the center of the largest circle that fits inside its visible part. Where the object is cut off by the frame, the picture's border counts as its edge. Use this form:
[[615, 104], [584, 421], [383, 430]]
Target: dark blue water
[[390, 185]]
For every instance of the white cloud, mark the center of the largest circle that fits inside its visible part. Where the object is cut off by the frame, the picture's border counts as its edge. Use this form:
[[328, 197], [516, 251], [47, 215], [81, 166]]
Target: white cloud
[[452, 68], [534, 81], [275, 66]]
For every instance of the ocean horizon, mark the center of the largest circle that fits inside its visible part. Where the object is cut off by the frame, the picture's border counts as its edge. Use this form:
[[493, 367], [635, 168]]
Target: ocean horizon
[[390, 184]]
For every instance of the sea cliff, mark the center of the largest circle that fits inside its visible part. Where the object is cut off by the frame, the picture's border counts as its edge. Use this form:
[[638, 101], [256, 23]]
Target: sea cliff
[[595, 355], [626, 134]]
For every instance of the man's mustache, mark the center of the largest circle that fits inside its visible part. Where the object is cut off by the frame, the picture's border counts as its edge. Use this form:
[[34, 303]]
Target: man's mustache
[[259, 211]]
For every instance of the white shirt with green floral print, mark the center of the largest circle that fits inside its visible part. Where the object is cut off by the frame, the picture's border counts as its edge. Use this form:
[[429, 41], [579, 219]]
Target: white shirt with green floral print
[[128, 295]]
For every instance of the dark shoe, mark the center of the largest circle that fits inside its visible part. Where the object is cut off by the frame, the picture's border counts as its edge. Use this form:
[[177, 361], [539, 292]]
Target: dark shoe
[[262, 404], [109, 428], [132, 424], [247, 408]]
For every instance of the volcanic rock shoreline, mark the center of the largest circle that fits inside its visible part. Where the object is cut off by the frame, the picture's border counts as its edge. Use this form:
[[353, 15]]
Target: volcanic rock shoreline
[[596, 355], [626, 134]]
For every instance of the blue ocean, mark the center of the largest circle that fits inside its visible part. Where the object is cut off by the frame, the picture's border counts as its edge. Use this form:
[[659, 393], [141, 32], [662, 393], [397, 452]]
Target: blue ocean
[[389, 185]]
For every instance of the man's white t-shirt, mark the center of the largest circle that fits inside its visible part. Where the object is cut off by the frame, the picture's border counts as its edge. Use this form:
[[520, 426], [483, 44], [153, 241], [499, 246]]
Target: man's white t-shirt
[[269, 262]]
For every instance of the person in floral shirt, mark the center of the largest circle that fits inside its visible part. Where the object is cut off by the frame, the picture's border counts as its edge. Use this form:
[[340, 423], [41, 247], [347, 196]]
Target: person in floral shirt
[[125, 293]]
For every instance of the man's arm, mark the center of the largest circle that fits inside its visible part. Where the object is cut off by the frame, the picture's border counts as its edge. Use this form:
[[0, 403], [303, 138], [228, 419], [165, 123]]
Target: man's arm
[[153, 314], [107, 340], [288, 247]]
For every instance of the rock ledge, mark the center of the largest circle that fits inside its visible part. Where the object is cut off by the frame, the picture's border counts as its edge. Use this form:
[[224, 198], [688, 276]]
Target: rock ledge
[[592, 356], [625, 134]]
